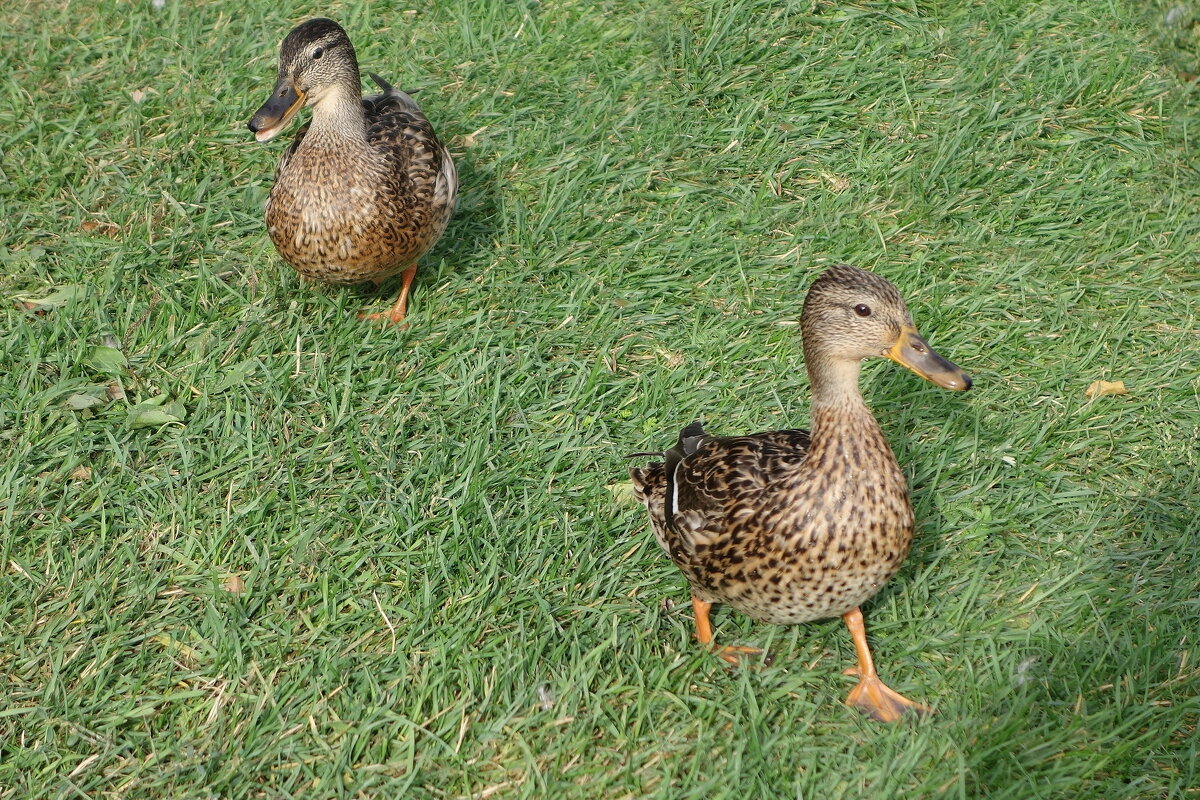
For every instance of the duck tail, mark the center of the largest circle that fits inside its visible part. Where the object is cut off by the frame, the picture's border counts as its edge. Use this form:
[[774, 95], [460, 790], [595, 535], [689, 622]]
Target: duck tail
[[393, 93], [381, 83], [689, 438]]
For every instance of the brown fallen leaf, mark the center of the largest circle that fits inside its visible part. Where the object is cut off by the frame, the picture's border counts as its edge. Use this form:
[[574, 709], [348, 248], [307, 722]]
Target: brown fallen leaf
[[234, 584], [103, 228], [1105, 388], [471, 138]]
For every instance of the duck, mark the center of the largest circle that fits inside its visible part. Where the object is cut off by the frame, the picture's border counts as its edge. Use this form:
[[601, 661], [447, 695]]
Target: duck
[[791, 526], [366, 188]]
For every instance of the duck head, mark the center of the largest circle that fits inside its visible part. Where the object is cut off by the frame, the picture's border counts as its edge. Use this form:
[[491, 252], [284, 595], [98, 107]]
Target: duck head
[[315, 58], [851, 315]]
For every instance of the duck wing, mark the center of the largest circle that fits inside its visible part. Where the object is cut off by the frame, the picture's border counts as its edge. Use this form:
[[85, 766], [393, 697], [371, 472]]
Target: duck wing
[[706, 486], [398, 128]]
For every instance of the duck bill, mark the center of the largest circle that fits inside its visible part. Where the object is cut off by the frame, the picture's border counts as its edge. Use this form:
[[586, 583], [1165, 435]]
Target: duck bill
[[915, 353], [275, 114]]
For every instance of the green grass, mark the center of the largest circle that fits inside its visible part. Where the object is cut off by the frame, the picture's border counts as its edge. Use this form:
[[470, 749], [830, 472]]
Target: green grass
[[442, 597]]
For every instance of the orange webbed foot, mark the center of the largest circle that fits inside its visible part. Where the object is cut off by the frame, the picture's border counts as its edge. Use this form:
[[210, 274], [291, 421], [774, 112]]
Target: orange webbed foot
[[740, 655], [734, 655], [392, 316], [872, 696], [395, 314], [881, 703]]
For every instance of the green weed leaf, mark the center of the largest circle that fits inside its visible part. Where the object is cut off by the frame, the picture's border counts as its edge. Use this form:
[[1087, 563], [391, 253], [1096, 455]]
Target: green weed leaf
[[59, 297], [108, 360], [79, 402], [156, 412], [235, 375]]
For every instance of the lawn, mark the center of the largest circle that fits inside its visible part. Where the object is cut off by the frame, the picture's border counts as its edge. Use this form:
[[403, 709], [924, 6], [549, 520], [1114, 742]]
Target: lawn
[[254, 546]]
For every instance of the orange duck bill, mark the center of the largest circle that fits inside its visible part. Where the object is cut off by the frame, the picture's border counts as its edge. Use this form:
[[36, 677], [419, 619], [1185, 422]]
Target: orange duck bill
[[911, 351]]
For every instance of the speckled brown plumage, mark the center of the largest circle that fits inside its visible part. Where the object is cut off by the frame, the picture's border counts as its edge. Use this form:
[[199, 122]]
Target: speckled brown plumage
[[788, 526], [366, 188]]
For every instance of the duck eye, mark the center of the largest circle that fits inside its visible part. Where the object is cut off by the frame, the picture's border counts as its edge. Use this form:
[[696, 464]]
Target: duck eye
[[320, 51], [863, 310]]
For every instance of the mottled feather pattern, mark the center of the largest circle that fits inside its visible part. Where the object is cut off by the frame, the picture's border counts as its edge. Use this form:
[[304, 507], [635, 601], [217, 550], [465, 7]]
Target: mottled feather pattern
[[344, 216], [755, 530]]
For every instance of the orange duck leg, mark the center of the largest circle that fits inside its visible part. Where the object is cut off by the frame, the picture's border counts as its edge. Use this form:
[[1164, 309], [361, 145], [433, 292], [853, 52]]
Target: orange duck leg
[[395, 314], [730, 653], [872, 696]]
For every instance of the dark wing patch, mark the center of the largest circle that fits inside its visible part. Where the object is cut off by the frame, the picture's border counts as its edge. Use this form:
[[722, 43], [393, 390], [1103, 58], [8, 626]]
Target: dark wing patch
[[736, 468], [689, 441], [704, 485], [401, 133]]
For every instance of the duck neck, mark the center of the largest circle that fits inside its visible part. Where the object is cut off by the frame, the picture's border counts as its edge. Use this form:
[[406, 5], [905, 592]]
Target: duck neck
[[842, 425], [338, 115], [835, 383]]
